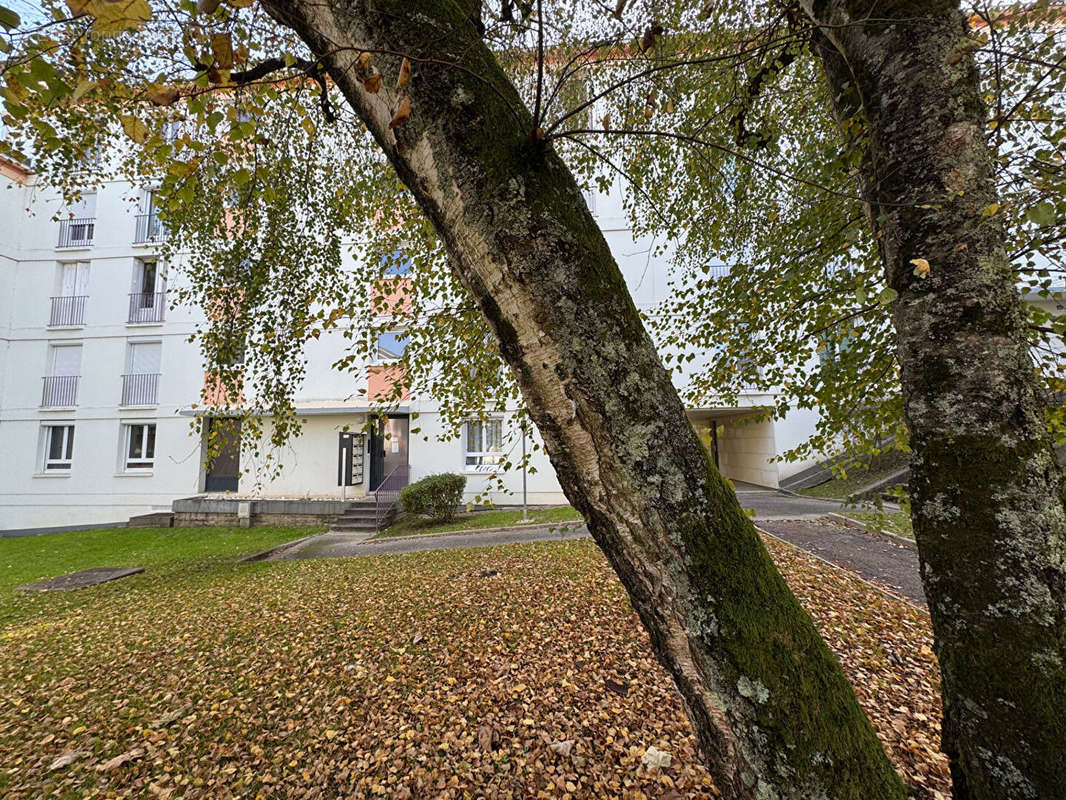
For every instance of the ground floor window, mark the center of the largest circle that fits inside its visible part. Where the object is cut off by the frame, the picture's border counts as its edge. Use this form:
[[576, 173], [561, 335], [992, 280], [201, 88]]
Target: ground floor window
[[484, 445], [58, 447], [140, 447]]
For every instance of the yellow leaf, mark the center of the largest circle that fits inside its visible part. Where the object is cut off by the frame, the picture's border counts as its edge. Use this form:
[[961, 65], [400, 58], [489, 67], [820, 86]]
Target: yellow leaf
[[116, 17], [239, 3], [363, 62], [222, 50], [134, 128], [373, 83], [162, 95], [404, 77], [990, 209], [921, 267], [403, 113]]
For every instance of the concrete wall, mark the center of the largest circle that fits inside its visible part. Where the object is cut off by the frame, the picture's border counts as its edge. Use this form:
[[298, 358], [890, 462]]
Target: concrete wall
[[746, 450]]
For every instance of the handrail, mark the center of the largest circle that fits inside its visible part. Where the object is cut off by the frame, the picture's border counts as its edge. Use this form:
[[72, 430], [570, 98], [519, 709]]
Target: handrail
[[388, 493]]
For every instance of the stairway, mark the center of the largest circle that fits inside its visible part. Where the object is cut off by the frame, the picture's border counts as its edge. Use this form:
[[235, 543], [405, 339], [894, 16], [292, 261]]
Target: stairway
[[358, 518]]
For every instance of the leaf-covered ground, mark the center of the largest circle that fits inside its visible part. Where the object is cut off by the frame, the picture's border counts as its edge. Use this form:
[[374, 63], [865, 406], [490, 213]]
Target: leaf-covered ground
[[414, 676]]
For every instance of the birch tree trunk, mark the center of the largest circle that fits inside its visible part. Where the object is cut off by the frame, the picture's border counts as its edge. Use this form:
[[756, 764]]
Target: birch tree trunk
[[985, 487], [775, 716]]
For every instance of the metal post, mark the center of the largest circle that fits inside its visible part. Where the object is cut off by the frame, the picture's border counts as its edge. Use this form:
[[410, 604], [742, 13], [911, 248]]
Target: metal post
[[525, 505]]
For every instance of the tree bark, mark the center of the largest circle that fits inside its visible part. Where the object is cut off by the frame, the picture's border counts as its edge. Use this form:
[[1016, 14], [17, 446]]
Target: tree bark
[[774, 714], [986, 491]]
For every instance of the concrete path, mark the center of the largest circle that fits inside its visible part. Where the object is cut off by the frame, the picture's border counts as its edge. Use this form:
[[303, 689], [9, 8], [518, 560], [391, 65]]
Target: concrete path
[[339, 545], [792, 519], [855, 550]]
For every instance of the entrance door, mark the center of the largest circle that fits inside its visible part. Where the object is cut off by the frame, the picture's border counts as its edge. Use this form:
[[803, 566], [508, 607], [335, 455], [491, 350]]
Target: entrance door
[[388, 447], [223, 438]]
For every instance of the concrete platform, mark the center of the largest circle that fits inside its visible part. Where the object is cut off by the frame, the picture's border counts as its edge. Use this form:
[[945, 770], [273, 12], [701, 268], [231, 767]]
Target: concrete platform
[[82, 579]]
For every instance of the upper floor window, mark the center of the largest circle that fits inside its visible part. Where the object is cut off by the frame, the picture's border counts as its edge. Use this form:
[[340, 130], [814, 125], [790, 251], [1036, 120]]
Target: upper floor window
[[61, 382], [147, 292], [77, 226], [391, 346], [68, 305], [397, 263]]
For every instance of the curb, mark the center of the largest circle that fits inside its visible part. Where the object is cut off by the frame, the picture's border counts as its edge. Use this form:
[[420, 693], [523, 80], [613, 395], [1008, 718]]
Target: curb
[[884, 535], [265, 554]]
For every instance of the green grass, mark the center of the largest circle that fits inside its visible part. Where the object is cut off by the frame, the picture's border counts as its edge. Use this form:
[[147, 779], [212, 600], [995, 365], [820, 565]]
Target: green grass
[[897, 522], [482, 519], [167, 550], [859, 476]]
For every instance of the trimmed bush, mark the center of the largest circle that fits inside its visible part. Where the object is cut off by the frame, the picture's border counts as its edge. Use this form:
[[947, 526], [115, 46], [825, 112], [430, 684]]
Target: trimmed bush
[[435, 496]]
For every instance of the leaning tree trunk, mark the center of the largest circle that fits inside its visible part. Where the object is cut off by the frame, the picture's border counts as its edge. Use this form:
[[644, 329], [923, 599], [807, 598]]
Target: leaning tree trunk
[[986, 491], [775, 716]]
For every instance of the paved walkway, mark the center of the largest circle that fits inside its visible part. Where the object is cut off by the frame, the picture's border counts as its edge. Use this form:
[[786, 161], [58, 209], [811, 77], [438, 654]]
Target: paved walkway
[[872, 558], [793, 519]]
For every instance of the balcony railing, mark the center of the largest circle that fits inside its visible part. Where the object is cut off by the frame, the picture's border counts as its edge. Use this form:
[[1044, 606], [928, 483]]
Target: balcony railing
[[67, 311], [149, 229], [60, 391], [147, 306], [140, 389], [76, 232]]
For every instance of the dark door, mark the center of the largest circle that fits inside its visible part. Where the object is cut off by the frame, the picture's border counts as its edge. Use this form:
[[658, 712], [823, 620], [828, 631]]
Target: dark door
[[388, 448], [223, 440]]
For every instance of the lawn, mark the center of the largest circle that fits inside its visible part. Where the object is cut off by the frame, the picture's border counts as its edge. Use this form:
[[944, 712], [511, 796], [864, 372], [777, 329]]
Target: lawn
[[859, 476], [897, 522], [413, 526], [411, 676], [29, 558]]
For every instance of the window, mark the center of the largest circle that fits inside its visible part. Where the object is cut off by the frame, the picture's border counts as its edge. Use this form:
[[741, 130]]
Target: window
[[58, 447], [74, 279], [397, 263], [139, 448], [61, 383], [484, 445], [391, 346]]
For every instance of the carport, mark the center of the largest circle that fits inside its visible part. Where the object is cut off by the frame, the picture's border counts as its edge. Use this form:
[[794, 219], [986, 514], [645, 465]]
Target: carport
[[741, 441]]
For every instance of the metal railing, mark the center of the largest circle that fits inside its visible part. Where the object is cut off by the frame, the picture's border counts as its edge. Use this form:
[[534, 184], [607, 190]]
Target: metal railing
[[147, 306], [67, 311], [60, 391], [149, 229], [388, 493], [140, 389], [76, 232]]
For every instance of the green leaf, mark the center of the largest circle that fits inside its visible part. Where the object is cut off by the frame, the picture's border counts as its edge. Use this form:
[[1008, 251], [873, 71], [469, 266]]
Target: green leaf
[[134, 128], [1042, 214], [8, 18], [887, 295]]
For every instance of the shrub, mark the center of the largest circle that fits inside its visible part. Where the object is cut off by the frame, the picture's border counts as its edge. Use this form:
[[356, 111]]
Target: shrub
[[435, 496]]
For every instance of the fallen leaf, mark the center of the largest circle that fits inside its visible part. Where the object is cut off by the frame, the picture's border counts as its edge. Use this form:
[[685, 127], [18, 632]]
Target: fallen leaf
[[562, 748], [655, 759], [119, 760], [67, 759]]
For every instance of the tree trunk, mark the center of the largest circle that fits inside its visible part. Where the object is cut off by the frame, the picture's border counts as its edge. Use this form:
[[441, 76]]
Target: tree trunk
[[986, 491], [775, 716]]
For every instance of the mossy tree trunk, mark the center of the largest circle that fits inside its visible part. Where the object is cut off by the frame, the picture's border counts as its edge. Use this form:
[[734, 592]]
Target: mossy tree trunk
[[985, 487], [775, 716]]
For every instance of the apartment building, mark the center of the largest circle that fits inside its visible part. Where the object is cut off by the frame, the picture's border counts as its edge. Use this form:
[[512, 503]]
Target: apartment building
[[99, 383]]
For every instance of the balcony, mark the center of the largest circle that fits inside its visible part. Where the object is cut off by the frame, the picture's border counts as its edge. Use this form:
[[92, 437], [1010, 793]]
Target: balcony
[[149, 230], [60, 391], [67, 312], [147, 307], [140, 389], [76, 232]]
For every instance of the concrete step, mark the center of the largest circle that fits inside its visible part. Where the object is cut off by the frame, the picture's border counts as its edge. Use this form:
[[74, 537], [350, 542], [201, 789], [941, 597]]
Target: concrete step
[[157, 519]]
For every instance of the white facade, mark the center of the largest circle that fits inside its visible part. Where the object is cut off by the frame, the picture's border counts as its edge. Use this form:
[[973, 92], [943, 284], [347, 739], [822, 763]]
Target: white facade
[[98, 380]]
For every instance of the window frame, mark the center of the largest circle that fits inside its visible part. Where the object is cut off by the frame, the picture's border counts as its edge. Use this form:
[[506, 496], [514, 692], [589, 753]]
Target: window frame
[[65, 463], [146, 463], [487, 461]]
